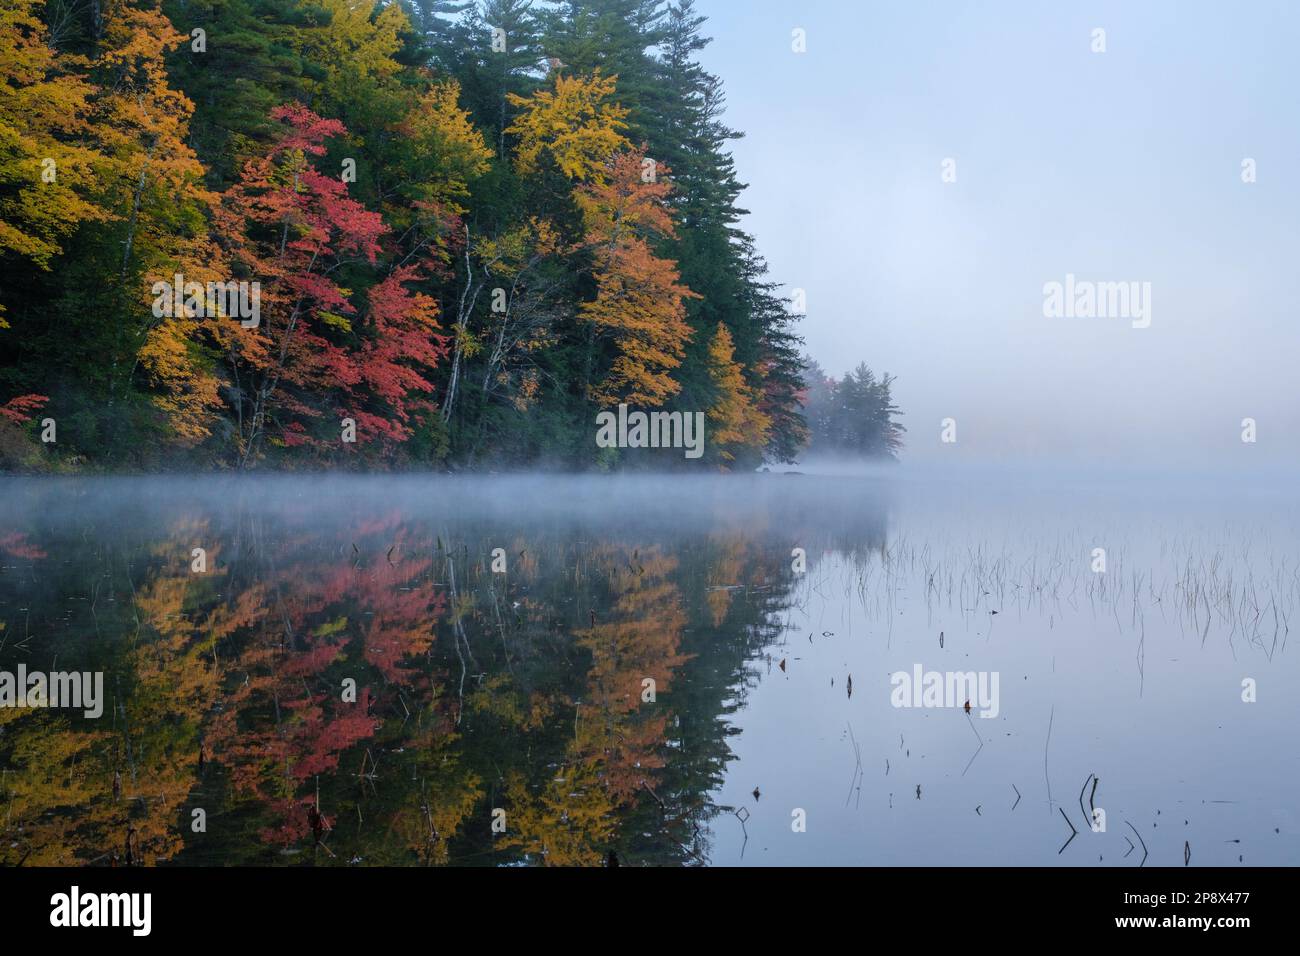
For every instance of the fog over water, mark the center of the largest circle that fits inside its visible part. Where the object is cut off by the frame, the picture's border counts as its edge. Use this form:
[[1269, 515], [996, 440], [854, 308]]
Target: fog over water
[[1042, 254], [1123, 165], [515, 678]]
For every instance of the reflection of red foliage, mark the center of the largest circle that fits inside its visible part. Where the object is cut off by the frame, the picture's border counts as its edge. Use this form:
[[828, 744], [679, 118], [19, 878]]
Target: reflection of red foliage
[[286, 721], [402, 625], [295, 821], [306, 735], [16, 544], [324, 737]]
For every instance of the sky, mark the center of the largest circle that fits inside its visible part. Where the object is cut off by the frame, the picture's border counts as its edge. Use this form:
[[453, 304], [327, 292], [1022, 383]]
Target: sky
[[1122, 165]]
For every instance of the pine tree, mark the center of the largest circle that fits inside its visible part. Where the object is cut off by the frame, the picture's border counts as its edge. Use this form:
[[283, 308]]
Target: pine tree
[[612, 37], [436, 22], [854, 415], [254, 59], [494, 66]]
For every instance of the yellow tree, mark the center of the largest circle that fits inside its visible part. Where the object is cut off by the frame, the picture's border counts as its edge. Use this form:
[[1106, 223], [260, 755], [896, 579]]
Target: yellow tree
[[734, 419], [144, 126], [355, 45], [577, 123], [445, 145], [157, 190], [185, 390], [445, 152], [46, 175], [640, 301]]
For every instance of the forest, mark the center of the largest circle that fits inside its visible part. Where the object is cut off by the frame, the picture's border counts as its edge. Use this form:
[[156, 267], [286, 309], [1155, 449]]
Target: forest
[[371, 235], [852, 416]]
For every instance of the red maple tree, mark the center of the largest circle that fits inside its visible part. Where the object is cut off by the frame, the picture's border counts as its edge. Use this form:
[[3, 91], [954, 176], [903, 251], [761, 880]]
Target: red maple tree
[[320, 347]]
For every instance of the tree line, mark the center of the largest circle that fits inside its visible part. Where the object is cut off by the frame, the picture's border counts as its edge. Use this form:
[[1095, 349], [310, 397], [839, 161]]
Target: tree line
[[851, 416], [321, 233]]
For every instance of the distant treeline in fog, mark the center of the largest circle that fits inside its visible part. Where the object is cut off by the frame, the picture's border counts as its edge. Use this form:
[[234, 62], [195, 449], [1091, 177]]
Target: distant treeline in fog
[[852, 416], [317, 233]]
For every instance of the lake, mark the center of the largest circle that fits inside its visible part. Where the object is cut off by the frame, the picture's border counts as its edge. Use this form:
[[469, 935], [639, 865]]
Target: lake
[[676, 670]]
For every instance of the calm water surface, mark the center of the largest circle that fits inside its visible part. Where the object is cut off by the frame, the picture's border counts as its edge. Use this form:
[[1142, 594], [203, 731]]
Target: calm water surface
[[657, 672]]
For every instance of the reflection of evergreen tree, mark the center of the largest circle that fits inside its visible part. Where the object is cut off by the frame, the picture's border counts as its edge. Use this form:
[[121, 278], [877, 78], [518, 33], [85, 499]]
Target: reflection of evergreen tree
[[475, 690], [732, 629]]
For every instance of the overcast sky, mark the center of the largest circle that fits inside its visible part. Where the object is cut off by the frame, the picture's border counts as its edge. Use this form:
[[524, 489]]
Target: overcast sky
[[1117, 166]]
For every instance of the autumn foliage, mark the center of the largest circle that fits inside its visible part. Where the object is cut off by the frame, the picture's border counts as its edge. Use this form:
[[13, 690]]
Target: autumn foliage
[[459, 254], [640, 301]]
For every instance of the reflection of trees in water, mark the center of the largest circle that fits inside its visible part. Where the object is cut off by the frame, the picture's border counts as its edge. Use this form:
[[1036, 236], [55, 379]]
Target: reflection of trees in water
[[78, 790], [474, 690]]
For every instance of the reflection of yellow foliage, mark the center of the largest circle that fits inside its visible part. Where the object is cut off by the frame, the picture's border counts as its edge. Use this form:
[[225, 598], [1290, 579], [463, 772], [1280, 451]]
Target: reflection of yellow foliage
[[498, 697], [725, 571], [569, 823], [719, 601], [494, 696], [640, 640], [330, 628], [462, 606], [523, 561], [55, 788], [447, 796], [57, 766]]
